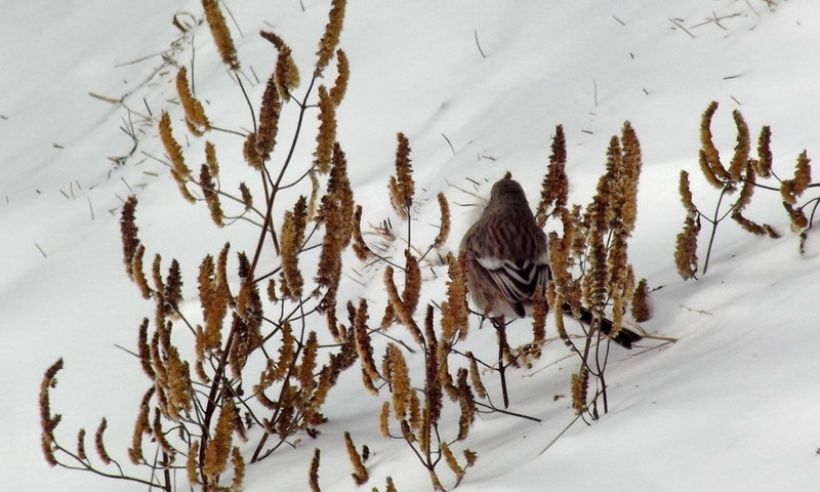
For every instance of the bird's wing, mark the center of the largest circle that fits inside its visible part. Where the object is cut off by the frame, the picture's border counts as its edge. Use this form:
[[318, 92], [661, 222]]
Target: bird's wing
[[516, 280]]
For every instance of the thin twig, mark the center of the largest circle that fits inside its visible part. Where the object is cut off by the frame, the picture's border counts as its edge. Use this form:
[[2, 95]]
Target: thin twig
[[475, 32]]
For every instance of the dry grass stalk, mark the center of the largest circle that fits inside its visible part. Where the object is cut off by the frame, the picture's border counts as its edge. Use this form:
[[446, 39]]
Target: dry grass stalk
[[337, 93], [333, 30], [313, 477], [327, 131], [195, 116], [269, 112], [555, 187], [179, 170], [219, 446], [221, 34], [129, 233]]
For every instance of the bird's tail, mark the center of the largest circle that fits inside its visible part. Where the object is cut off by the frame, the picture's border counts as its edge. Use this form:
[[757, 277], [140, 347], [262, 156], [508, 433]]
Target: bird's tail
[[625, 337]]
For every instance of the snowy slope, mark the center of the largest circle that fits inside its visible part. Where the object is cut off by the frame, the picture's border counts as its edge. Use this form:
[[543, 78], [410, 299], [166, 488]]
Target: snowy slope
[[731, 406]]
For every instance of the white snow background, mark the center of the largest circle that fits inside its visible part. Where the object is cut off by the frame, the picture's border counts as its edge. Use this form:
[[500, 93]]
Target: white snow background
[[733, 405]]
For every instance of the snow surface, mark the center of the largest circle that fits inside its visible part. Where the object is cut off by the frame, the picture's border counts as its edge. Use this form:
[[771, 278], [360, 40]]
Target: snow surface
[[733, 405]]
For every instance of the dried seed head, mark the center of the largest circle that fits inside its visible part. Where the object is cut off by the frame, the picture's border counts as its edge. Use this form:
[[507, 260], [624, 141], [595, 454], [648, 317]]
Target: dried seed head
[[219, 447], [47, 422], [211, 195], [444, 228], [265, 139], [191, 464], [359, 471], [399, 381], [555, 186], [475, 377], [792, 189], [293, 235], [452, 463], [686, 249], [641, 310], [327, 131], [194, 112], [742, 148], [250, 153], [539, 318], [399, 306], [412, 282], [179, 170], [404, 184], [100, 445], [754, 227], [238, 469], [313, 477], [685, 192], [222, 36], [763, 164], [359, 245], [129, 233], [710, 153], [364, 346], [384, 428], [247, 197], [580, 386], [330, 39], [337, 93]]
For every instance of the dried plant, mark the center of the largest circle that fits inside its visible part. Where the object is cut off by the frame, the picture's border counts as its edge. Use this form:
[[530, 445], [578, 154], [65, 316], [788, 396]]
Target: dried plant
[[741, 179], [221, 34]]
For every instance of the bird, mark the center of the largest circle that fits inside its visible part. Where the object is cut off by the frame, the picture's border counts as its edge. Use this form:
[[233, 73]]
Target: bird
[[506, 260]]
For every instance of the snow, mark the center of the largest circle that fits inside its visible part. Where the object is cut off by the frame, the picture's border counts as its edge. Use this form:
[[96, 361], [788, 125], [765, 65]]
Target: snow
[[731, 406]]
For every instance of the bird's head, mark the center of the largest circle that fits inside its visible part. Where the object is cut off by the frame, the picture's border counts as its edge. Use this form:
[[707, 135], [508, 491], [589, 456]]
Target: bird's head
[[506, 189]]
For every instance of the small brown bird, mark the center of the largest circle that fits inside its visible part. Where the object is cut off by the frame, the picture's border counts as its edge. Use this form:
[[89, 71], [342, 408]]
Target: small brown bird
[[506, 259]]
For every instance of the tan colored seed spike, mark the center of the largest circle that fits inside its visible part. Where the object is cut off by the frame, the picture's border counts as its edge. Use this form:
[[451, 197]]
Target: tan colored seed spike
[[99, 444], [247, 197], [580, 386], [444, 221], [451, 461], [194, 111], [764, 153], [364, 346], [129, 233], [313, 476], [308, 363], [238, 469], [286, 73], [327, 131], [399, 307], [539, 318], [179, 170], [333, 30], [707, 171], [555, 186], [400, 381], [359, 471], [384, 415], [711, 154], [641, 310], [792, 189], [685, 192], [404, 172], [221, 34], [742, 148], [211, 195], [475, 377], [360, 247], [686, 257], [47, 422], [219, 447], [250, 153], [191, 464], [337, 93], [139, 273], [265, 140], [629, 178], [412, 283]]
